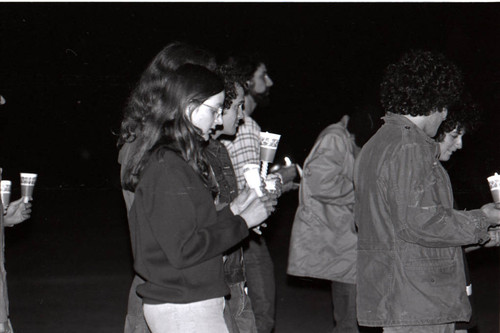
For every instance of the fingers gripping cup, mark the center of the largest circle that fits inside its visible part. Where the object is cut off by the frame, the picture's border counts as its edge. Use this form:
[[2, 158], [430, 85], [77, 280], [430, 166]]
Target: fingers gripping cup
[[5, 188], [494, 182], [252, 176], [268, 146], [28, 181]]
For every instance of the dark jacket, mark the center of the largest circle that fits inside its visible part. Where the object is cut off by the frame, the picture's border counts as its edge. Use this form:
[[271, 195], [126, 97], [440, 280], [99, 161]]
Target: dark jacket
[[177, 235], [234, 269], [410, 265]]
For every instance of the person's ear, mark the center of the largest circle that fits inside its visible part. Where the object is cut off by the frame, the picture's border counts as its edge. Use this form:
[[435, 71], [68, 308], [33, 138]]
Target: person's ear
[[445, 113], [190, 109], [345, 120]]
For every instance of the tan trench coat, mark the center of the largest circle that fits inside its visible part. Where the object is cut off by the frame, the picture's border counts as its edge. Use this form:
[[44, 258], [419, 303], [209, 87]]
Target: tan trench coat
[[323, 239]]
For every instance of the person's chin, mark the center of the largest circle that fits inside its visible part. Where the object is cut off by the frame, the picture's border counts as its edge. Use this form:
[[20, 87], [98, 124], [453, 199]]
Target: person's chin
[[446, 157]]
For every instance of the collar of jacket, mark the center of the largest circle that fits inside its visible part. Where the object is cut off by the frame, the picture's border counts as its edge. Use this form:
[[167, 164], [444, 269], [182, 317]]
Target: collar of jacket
[[400, 120]]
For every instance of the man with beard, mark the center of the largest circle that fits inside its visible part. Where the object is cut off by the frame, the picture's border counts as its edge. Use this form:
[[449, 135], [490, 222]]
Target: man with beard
[[244, 149]]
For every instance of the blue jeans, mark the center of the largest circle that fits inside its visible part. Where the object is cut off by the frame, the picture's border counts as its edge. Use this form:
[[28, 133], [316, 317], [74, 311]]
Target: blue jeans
[[344, 307], [259, 270], [240, 308], [135, 322], [195, 317]]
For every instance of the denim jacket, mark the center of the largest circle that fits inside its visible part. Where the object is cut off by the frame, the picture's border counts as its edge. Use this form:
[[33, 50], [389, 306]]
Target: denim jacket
[[410, 266], [228, 190]]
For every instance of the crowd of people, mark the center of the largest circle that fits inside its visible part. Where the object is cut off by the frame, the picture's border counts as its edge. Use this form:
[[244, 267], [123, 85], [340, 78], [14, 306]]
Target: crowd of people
[[376, 214]]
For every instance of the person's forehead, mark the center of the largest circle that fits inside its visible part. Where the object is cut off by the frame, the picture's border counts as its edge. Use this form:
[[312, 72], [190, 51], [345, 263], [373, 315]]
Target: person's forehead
[[239, 90], [261, 69]]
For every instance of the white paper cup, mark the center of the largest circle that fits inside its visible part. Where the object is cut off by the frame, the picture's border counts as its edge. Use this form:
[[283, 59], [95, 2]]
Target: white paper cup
[[252, 177], [271, 185], [494, 182], [268, 146], [28, 181], [5, 189]]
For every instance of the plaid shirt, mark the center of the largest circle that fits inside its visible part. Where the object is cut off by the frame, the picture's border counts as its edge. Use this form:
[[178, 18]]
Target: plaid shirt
[[244, 148]]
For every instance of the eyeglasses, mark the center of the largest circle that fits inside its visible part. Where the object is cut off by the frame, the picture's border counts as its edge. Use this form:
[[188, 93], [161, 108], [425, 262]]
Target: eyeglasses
[[217, 111]]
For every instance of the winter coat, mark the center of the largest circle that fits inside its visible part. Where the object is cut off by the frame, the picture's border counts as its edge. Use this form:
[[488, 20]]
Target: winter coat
[[323, 239], [410, 262]]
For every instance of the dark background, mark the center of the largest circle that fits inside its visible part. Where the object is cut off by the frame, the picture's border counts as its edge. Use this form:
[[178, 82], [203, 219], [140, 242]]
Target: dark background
[[66, 70]]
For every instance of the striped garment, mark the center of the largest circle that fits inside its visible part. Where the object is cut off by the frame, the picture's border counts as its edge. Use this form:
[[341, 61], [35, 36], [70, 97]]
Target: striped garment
[[244, 148]]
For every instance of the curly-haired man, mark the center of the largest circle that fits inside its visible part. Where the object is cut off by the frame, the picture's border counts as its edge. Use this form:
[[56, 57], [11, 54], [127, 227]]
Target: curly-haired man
[[410, 266]]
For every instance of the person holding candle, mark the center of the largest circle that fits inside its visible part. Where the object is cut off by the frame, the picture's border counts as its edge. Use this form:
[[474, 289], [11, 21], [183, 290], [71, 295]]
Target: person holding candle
[[136, 115], [244, 148], [410, 271], [17, 211], [178, 236]]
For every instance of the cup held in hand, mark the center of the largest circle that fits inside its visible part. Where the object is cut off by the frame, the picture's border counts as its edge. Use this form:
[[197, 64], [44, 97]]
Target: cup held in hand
[[268, 146], [252, 177], [5, 189], [28, 181], [494, 182]]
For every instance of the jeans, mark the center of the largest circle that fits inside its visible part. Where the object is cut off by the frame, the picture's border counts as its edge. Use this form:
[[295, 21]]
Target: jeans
[[196, 317], [344, 307], [260, 281], [445, 328], [240, 307], [135, 322]]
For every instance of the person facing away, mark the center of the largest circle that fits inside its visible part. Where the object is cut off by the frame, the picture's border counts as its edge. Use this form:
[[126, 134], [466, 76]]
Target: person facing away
[[244, 148], [410, 271], [324, 238], [178, 236], [137, 118]]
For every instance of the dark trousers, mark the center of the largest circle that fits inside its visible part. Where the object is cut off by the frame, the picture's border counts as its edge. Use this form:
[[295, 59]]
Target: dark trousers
[[344, 307], [259, 271]]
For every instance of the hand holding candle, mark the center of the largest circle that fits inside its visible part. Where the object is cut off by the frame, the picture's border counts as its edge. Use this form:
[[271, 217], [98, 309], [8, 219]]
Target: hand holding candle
[[252, 176], [5, 189], [494, 182], [28, 181], [268, 146]]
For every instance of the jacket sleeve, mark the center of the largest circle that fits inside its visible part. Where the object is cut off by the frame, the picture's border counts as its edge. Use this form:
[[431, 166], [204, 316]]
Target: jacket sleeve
[[175, 220], [324, 171], [420, 202]]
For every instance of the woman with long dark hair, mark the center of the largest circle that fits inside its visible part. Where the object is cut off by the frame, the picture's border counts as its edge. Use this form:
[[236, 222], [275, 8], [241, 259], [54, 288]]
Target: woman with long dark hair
[[137, 119], [178, 236]]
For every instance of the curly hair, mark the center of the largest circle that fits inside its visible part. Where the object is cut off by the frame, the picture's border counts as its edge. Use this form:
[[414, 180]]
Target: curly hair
[[245, 67], [465, 116], [232, 77], [167, 123], [148, 89], [420, 83]]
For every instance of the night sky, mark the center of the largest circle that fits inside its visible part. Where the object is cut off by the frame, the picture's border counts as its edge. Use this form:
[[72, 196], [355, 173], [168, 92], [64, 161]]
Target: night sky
[[66, 70]]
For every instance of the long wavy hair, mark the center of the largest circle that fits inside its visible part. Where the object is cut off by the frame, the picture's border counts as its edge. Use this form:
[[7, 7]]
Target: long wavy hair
[[148, 90], [420, 83], [168, 124]]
